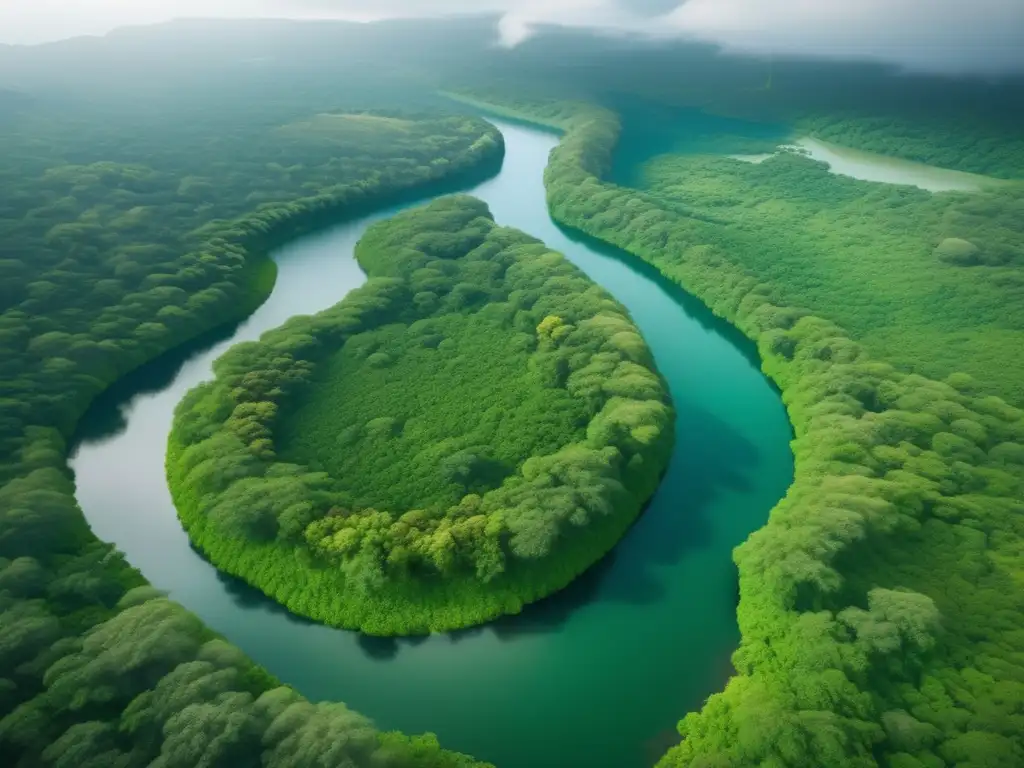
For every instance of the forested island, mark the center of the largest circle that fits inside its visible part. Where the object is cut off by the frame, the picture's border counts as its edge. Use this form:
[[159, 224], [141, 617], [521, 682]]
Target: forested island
[[463, 435]]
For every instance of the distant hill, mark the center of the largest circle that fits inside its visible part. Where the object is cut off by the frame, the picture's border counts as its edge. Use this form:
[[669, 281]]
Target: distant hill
[[202, 62], [13, 101], [180, 52]]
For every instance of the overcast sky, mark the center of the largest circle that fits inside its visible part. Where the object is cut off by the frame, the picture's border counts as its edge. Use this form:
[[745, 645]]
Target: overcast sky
[[945, 35]]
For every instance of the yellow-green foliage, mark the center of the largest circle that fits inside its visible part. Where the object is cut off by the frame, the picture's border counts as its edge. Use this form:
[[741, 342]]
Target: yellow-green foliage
[[880, 607], [462, 435]]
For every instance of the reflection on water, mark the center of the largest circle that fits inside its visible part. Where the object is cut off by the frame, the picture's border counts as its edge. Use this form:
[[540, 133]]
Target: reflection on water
[[106, 418], [869, 166]]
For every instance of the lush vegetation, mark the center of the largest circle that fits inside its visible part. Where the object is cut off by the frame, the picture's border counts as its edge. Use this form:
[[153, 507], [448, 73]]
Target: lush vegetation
[[930, 282], [880, 605], [948, 143], [160, 260], [464, 434], [119, 240]]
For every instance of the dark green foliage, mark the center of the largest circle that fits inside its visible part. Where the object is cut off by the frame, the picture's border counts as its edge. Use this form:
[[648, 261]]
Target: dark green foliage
[[880, 607], [114, 249], [445, 460], [150, 686], [169, 251], [964, 123]]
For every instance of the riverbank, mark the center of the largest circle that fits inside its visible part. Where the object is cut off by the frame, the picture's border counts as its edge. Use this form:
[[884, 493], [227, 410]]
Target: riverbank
[[648, 623], [898, 505]]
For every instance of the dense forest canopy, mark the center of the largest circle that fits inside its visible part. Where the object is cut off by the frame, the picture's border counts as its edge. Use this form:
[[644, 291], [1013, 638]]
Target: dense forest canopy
[[158, 234], [462, 435], [932, 282], [119, 239], [960, 122], [880, 607]]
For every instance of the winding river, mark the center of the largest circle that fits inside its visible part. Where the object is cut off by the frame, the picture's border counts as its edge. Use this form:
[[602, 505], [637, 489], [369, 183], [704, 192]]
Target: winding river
[[597, 675]]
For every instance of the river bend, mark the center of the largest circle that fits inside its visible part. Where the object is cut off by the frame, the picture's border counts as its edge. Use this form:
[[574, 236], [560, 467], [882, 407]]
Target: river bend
[[597, 675]]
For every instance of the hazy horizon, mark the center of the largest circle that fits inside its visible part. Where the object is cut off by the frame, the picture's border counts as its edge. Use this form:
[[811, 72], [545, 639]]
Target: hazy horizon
[[985, 36]]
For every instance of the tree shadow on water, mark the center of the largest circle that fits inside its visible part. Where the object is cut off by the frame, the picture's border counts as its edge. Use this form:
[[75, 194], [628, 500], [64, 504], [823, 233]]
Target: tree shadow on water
[[378, 648], [249, 598], [655, 748], [694, 308], [461, 635], [387, 648], [710, 458], [551, 613], [105, 418]]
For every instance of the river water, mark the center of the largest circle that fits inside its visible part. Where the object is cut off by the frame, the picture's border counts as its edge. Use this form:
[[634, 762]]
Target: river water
[[595, 676], [871, 166]]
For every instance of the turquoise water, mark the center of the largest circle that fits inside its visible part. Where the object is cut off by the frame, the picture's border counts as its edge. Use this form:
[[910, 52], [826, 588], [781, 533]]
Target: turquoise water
[[596, 676], [652, 129]]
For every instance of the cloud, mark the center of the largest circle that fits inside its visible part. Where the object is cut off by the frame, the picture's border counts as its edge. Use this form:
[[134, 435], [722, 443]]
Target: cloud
[[942, 35], [519, 18]]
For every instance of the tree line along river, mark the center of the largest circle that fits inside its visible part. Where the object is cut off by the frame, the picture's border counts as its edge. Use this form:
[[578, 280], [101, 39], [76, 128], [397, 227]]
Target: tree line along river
[[597, 675]]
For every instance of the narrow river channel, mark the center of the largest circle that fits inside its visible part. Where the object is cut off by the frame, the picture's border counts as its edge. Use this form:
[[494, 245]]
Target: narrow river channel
[[596, 676]]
